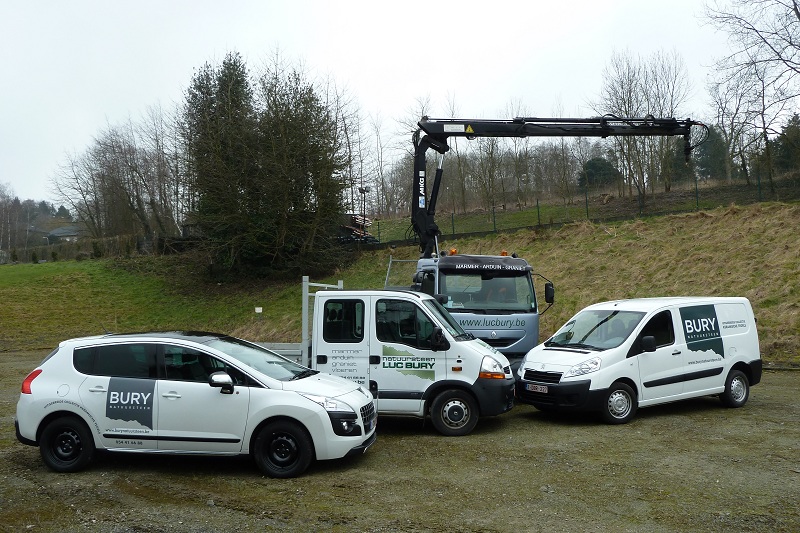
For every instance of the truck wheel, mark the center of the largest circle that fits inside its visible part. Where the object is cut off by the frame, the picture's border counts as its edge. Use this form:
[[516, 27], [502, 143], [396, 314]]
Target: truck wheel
[[283, 449], [454, 413], [620, 404], [66, 444], [737, 389]]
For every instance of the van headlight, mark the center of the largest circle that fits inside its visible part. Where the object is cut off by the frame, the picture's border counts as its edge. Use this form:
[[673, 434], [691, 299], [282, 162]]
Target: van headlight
[[343, 418], [586, 367], [491, 369]]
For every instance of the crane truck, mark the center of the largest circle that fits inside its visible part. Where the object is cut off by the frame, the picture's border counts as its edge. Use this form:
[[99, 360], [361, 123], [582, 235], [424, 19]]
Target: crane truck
[[493, 297]]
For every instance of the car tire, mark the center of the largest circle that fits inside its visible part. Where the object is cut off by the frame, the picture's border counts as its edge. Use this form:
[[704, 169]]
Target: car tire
[[737, 389], [620, 404], [454, 413], [283, 449], [66, 444]]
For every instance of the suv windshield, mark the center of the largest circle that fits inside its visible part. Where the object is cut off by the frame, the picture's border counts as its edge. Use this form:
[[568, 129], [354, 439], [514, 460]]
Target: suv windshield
[[265, 361], [596, 330]]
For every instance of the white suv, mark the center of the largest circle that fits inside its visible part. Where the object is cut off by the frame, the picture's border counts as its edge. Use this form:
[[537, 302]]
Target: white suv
[[189, 393]]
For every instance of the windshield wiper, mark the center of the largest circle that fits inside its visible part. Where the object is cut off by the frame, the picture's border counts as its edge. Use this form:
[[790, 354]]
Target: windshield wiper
[[304, 374], [467, 336], [577, 345]]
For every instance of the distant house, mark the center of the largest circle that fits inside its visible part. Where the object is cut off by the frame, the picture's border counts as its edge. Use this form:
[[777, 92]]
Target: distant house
[[64, 234]]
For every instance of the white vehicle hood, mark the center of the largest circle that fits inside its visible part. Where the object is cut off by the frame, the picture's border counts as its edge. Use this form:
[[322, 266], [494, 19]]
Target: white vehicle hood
[[322, 384], [545, 359]]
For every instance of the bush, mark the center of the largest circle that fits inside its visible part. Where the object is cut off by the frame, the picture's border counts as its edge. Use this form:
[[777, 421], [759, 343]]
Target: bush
[[34, 258]]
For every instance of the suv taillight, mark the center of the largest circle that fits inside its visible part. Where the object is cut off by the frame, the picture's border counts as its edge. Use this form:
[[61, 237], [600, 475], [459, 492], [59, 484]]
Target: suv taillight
[[26, 385]]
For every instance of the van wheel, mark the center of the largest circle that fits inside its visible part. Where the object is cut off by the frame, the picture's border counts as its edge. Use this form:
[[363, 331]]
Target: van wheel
[[454, 413], [283, 449], [737, 389], [66, 444], [620, 404]]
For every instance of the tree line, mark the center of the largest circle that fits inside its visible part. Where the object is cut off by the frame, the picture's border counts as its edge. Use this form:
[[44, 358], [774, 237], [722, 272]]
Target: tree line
[[264, 165]]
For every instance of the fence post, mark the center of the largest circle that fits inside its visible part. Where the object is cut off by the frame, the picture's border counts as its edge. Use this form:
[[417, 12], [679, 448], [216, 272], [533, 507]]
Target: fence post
[[494, 219], [453, 223], [586, 192], [538, 214]]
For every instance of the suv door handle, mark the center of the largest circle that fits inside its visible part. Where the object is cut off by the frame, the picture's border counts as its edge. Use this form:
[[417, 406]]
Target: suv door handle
[[97, 388], [172, 395]]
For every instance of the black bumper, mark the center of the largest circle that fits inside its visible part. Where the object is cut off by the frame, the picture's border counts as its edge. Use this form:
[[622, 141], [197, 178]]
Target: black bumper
[[362, 448], [22, 439], [562, 396], [495, 396]]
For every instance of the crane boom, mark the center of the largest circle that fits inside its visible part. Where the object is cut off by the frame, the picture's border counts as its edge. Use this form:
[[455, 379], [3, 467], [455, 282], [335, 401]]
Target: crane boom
[[434, 133]]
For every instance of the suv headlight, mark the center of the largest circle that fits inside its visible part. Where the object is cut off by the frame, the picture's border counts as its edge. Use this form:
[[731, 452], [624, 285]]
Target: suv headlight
[[586, 367], [343, 419], [491, 369]]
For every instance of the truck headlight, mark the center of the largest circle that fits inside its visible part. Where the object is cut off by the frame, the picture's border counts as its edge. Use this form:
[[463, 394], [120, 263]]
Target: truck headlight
[[343, 419], [491, 369], [586, 367]]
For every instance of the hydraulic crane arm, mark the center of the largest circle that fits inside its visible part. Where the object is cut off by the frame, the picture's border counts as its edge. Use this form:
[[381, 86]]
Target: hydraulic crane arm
[[434, 133]]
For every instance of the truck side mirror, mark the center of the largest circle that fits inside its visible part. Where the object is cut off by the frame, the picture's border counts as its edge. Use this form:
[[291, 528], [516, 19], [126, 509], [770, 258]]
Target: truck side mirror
[[438, 340], [648, 343], [549, 293]]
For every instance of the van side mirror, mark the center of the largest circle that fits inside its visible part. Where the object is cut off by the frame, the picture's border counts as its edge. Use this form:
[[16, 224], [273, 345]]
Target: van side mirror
[[442, 298], [648, 343], [549, 293], [222, 381], [438, 340]]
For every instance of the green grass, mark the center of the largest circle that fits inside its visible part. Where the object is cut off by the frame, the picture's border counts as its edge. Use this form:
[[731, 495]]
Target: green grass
[[736, 251]]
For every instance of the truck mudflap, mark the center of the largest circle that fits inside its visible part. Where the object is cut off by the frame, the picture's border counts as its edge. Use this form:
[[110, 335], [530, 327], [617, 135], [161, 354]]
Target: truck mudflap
[[495, 396], [573, 395]]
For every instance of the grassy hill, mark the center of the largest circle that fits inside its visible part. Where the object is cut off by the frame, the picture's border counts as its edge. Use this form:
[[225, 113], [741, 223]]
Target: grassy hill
[[751, 251]]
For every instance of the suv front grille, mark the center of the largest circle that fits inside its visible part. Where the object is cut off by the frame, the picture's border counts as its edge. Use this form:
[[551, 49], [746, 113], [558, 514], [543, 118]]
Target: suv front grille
[[368, 416], [542, 377]]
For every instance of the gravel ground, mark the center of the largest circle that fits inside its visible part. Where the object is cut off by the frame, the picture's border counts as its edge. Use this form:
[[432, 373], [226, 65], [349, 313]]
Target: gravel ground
[[690, 466]]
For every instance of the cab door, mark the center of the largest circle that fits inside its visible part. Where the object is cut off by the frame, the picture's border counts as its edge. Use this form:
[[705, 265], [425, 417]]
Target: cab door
[[661, 371], [193, 415], [343, 347], [402, 363]]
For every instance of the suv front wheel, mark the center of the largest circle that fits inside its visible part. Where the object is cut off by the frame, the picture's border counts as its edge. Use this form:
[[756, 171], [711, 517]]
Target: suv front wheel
[[66, 444]]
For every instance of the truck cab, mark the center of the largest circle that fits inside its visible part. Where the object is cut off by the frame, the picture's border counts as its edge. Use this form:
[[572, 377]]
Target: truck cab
[[412, 355], [490, 296]]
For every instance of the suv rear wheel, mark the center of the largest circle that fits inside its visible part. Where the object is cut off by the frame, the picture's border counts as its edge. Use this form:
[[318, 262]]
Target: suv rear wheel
[[66, 444]]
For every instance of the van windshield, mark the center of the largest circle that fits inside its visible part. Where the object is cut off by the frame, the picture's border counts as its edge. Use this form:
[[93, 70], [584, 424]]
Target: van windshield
[[447, 321], [596, 330]]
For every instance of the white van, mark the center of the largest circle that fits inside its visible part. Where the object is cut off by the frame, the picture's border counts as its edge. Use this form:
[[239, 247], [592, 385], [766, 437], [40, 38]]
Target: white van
[[615, 357]]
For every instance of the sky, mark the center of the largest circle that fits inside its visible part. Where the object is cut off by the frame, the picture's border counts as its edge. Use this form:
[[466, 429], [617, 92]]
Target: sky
[[73, 67]]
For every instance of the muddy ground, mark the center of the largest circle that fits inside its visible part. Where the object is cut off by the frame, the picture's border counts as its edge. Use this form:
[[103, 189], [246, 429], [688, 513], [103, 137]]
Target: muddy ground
[[691, 466]]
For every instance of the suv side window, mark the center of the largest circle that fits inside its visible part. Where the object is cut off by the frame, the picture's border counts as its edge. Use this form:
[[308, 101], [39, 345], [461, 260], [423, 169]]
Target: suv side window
[[402, 322], [187, 364], [117, 360]]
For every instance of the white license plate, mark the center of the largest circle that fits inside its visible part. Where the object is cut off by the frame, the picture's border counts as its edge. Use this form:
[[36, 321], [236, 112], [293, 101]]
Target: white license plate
[[536, 388]]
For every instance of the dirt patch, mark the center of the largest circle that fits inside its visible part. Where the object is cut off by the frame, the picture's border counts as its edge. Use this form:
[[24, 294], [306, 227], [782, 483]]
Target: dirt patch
[[690, 466]]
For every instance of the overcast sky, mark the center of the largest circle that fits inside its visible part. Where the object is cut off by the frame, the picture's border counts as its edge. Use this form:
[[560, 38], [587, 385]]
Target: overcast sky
[[71, 67]]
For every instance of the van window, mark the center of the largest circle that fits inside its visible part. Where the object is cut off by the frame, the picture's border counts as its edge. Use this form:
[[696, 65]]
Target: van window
[[403, 322], [134, 360], [660, 327], [343, 321]]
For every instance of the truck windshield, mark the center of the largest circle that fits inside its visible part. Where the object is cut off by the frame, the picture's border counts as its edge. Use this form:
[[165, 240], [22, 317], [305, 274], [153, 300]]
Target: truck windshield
[[596, 330], [447, 322], [488, 293], [265, 361]]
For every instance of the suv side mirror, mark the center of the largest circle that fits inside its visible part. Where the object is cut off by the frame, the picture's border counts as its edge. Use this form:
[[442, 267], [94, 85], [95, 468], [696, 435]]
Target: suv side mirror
[[222, 381], [438, 340]]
